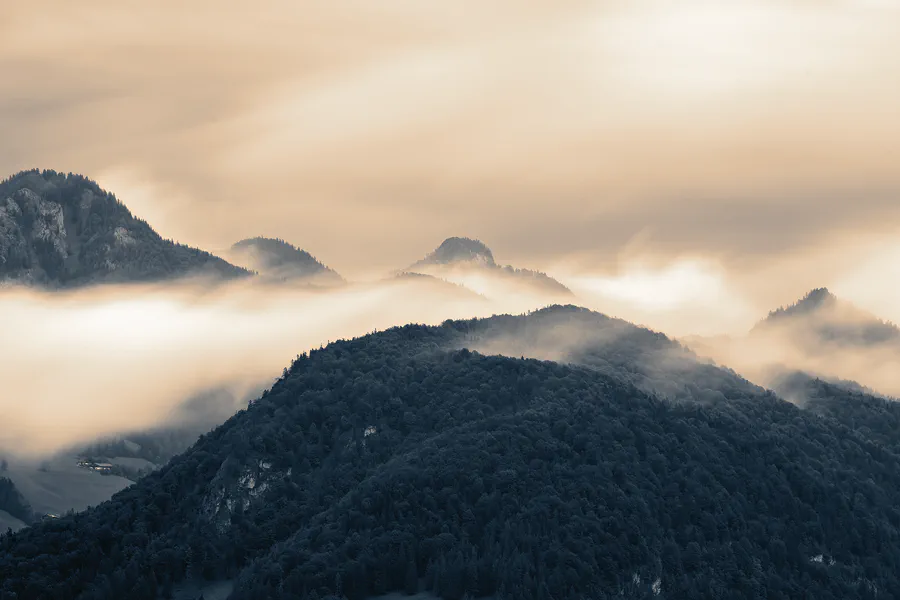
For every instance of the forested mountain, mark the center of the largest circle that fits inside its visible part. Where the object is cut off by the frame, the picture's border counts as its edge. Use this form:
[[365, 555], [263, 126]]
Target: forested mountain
[[820, 317], [852, 405], [459, 250], [280, 260], [404, 461], [460, 255], [60, 230]]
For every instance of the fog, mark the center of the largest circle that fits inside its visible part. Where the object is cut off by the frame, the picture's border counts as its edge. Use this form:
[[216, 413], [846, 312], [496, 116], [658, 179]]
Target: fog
[[832, 348], [77, 365], [82, 364]]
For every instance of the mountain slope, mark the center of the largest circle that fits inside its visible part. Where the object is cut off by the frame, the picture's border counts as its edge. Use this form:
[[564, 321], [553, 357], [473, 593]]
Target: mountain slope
[[853, 406], [459, 259], [401, 460], [280, 260], [61, 230]]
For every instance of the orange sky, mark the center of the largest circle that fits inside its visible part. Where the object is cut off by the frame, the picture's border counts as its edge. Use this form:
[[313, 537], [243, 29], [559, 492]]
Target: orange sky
[[761, 136]]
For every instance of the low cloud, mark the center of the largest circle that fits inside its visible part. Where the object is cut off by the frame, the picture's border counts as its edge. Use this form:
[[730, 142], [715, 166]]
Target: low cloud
[[80, 365], [766, 356]]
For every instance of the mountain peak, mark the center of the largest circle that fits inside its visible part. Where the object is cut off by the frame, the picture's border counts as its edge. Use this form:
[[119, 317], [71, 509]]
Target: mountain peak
[[818, 297], [467, 253], [813, 302], [278, 258], [826, 318], [461, 249], [63, 230]]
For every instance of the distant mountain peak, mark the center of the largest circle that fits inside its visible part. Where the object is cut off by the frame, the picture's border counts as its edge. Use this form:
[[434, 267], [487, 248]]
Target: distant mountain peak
[[460, 249], [283, 260], [817, 299], [63, 230], [468, 253], [826, 318]]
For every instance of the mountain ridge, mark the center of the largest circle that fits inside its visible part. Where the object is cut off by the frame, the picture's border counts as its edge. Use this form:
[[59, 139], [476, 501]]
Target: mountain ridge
[[63, 230], [282, 260], [472, 255]]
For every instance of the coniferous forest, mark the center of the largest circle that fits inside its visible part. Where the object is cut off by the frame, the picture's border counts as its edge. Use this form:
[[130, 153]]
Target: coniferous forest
[[403, 461]]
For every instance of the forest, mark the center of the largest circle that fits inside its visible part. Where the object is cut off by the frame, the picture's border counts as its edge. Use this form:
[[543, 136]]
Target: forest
[[405, 461]]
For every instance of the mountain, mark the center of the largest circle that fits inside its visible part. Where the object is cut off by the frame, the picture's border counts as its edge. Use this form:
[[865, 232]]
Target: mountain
[[854, 406], [821, 336], [280, 260], [459, 250], [403, 461], [457, 259], [60, 230], [820, 317]]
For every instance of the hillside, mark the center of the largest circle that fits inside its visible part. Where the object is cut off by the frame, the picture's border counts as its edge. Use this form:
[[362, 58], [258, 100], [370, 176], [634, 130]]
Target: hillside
[[280, 260], [60, 230], [404, 461], [850, 404], [458, 257]]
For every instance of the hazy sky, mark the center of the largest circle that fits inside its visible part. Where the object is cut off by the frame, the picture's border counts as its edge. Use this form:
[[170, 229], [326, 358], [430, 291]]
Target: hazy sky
[[685, 165], [725, 138]]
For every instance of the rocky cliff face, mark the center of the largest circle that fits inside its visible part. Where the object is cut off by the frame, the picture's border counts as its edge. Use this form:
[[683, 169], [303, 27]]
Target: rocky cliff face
[[61, 230]]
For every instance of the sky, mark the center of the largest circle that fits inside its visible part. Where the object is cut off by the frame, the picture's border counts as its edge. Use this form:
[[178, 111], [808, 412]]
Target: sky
[[684, 165], [735, 151]]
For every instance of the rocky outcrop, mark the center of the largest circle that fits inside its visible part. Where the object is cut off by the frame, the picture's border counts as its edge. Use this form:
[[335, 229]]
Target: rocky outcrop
[[63, 230]]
